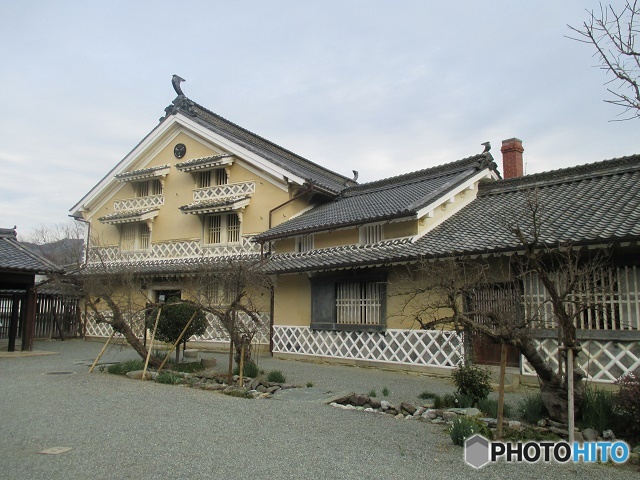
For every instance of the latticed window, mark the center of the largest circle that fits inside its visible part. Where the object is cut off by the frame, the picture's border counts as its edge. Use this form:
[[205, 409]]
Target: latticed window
[[224, 228], [135, 236], [606, 299], [220, 176], [359, 303], [219, 293], [147, 188], [370, 234], [204, 179], [304, 243]]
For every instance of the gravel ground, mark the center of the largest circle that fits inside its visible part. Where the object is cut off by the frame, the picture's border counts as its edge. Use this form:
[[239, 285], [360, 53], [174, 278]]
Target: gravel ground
[[120, 428]]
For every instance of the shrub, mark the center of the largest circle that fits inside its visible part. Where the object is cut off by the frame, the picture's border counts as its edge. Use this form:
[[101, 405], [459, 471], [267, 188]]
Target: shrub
[[169, 378], [427, 395], [385, 392], [628, 402], [276, 376], [472, 380], [189, 367], [309, 384], [123, 368], [250, 369], [597, 409], [463, 401], [464, 427], [446, 401], [490, 408], [372, 393], [173, 318], [531, 408]]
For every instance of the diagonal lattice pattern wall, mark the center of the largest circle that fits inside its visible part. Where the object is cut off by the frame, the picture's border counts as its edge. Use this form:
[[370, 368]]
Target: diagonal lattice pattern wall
[[602, 360], [408, 347]]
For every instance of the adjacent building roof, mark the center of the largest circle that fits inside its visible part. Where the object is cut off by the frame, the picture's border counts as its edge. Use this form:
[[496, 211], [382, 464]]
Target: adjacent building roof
[[390, 198], [597, 203], [16, 257], [313, 173]]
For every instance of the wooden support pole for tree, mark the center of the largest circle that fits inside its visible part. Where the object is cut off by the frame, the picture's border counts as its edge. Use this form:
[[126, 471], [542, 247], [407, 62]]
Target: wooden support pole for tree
[[153, 334], [241, 363], [231, 353], [113, 332], [571, 406], [503, 371], [184, 330]]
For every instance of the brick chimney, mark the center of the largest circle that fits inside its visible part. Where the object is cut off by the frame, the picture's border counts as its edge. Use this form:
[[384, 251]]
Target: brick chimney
[[512, 158]]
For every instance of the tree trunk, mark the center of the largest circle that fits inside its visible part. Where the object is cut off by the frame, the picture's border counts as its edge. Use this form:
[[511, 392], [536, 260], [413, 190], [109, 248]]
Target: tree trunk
[[553, 387], [121, 326]]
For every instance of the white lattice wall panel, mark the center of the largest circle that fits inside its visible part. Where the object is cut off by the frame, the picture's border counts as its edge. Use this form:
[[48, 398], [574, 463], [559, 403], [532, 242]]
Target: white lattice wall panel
[[244, 247], [229, 190], [407, 347], [138, 202], [94, 329], [176, 249], [216, 333], [602, 360]]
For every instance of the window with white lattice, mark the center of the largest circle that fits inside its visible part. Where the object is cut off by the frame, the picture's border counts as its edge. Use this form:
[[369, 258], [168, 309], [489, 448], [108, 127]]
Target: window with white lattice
[[134, 237], [359, 303], [349, 303], [210, 178], [304, 243], [370, 234], [221, 229], [219, 292], [147, 188]]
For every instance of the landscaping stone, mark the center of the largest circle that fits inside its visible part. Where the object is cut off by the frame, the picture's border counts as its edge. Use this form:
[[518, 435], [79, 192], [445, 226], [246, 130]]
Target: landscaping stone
[[408, 408], [608, 435], [470, 412], [542, 423], [359, 400], [430, 414], [375, 403], [137, 375], [559, 431], [385, 405], [515, 424], [419, 411], [590, 435], [209, 362], [428, 404], [449, 416]]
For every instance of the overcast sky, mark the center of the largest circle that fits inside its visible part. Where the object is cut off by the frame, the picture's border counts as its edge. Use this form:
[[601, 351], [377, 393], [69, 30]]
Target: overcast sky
[[380, 87]]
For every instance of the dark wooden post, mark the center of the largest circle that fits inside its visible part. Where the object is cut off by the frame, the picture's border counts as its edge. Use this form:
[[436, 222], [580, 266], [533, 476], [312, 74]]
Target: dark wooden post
[[13, 325], [30, 319]]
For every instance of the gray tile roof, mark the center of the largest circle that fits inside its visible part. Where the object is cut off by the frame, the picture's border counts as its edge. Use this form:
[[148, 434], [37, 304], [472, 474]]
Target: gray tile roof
[[203, 162], [394, 197], [597, 203], [132, 215], [214, 204], [141, 173], [16, 257], [313, 173]]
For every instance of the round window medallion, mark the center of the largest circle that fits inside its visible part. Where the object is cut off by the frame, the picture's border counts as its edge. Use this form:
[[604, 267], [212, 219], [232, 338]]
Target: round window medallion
[[179, 150]]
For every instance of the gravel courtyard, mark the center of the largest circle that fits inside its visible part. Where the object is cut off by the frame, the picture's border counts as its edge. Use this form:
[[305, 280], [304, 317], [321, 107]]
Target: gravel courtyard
[[121, 428]]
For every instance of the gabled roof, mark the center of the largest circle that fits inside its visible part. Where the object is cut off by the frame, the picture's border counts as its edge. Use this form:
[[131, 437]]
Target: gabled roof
[[390, 198], [592, 204], [16, 257], [313, 173]]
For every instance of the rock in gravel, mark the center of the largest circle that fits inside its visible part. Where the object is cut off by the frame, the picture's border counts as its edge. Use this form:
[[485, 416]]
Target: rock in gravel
[[590, 435], [542, 423], [408, 408], [430, 414], [608, 435], [419, 411], [375, 403], [359, 400], [137, 375], [449, 416], [385, 405]]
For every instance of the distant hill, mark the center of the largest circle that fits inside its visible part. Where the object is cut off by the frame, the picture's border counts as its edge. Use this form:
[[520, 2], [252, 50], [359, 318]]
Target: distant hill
[[65, 252]]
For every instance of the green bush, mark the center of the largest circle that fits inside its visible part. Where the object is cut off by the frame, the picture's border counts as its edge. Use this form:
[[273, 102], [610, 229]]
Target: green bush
[[123, 368], [531, 408], [447, 401], [169, 378], [473, 381], [385, 392], [426, 395], [372, 393], [249, 369], [463, 401], [463, 427], [490, 408], [597, 409], [173, 318], [276, 376], [188, 367]]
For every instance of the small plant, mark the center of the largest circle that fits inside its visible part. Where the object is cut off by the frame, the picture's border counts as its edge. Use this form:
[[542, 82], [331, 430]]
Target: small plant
[[531, 408], [628, 402], [385, 392], [446, 401], [463, 427], [189, 367], [426, 395], [597, 409], [473, 381], [490, 408], [372, 393], [250, 369], [309, 384], [169, 378], [276, 376], [463, 401], [527, 434], [123, 368]]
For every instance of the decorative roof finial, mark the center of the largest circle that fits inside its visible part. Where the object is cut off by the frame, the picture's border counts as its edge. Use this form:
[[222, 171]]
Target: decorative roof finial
[[176, 81], [355, 175], [487, 146]]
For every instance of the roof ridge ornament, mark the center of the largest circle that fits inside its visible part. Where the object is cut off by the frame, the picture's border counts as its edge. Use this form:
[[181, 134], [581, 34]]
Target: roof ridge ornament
[[176, 80]]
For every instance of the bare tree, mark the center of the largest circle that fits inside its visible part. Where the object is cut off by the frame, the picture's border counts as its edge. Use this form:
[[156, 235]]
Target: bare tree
[[613, 33], [62, 243], [234, 290], [489, 296]]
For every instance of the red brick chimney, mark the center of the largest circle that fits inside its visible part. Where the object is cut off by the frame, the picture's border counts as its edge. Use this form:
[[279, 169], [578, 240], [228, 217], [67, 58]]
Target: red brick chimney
[[512, 158]]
